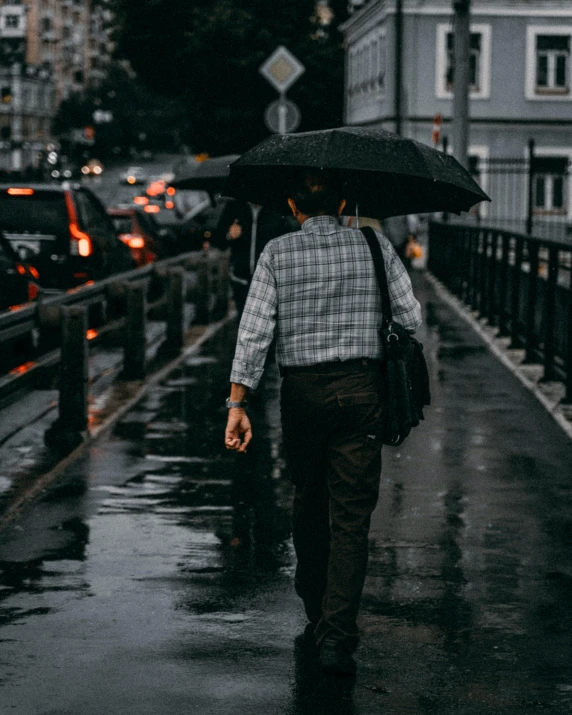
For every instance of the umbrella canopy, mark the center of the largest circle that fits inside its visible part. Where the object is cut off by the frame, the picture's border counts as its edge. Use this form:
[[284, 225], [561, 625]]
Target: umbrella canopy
[[383, 174], [210, 175]]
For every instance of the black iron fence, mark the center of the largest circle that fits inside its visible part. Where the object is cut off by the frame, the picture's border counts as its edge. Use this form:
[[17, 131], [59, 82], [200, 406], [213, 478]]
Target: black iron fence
[[530, 194], [520, 284]]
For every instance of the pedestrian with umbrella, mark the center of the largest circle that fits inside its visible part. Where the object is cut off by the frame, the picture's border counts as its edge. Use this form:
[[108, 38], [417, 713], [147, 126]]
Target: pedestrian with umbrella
[[316, 291]]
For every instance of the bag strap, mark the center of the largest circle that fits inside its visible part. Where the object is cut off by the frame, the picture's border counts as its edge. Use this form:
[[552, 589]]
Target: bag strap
[[379, 264]]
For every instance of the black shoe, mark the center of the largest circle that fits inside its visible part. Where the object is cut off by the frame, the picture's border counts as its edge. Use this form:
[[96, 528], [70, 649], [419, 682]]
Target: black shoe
[[334, 658]]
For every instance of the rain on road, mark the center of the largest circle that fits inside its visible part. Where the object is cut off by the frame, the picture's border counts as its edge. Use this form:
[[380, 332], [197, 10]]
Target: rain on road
[[157, 576]]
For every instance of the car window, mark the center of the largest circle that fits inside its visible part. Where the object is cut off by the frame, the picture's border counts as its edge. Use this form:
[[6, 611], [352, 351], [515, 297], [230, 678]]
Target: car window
[[122, 224], [6, 257], [42, 212], [94, 218]]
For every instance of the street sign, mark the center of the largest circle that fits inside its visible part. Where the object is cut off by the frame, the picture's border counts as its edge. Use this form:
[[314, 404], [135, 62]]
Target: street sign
[[282, 69], [282, 116]]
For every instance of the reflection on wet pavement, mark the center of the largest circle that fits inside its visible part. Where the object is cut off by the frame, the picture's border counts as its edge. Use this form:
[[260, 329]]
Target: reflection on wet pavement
[[157, 577]]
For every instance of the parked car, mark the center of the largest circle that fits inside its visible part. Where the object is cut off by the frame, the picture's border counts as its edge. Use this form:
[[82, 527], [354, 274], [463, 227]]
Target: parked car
[[18, 282], [63, 231], [198, 227], [134, 175], [93, 167], [140, 232]]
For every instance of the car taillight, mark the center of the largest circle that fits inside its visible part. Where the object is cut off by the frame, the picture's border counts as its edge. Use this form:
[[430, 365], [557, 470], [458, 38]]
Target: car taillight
[[141, 200], [80, 244], [132, 241], [33, 291], [169, 205], [17, 191], [34, 272], [20, 268], [152, 209]]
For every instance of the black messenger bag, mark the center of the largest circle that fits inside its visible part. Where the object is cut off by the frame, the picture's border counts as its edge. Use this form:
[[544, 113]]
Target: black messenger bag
[[405, 373]]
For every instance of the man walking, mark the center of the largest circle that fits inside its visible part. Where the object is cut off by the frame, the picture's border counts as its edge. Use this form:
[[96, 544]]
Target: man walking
[[315, 290]]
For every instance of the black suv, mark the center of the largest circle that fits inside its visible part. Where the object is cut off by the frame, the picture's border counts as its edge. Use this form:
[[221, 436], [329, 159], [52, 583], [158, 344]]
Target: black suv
[[62, 231]]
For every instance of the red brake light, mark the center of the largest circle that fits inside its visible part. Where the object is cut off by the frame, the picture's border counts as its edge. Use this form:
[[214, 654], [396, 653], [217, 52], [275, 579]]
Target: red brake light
[[171, 191], [34, 272], [20, 268], [151, 209], [91, 334], [132, 241], [33, 291], [141, 200], [81, 242], [20, 192]]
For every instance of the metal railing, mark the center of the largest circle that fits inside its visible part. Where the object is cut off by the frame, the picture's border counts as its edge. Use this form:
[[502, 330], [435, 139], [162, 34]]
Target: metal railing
[[59, 330], [520, 284]]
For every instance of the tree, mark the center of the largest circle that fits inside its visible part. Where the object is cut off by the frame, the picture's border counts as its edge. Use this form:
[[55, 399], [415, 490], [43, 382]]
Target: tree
[[208, 54]]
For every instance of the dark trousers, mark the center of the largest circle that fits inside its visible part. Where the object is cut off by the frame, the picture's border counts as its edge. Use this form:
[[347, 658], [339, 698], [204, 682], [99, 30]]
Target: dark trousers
[[330, 419]]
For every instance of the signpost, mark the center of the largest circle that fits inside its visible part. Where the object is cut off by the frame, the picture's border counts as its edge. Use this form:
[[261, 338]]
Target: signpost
[[282, 69]]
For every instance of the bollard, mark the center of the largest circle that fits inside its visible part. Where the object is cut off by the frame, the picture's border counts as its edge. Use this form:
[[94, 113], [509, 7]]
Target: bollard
[[66, 432], [223, 285], [175, 311], [135, 333], [203, 290]]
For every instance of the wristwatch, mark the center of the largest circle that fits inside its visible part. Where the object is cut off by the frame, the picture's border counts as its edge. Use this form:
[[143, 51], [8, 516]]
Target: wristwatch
[[229, 404]]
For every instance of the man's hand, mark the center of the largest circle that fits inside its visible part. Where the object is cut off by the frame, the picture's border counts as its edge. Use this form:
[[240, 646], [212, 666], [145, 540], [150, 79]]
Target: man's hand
[[235, 230], [238, 430]]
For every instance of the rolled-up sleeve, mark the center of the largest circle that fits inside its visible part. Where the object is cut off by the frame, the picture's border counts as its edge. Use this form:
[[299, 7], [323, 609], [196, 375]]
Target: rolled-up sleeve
[[405, 307], [257, 325]]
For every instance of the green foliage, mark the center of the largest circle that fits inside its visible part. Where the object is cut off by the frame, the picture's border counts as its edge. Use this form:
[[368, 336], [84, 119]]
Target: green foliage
[[137, 112], [207, 53]]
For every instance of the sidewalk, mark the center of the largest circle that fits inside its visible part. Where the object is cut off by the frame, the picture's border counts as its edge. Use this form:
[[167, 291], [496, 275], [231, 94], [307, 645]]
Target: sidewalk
[[156, 577]]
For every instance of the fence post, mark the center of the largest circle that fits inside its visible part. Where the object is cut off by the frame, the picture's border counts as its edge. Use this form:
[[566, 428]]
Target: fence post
[[135, 333], [549, 310], [66, 432], [530, 194], [568, 397], [175, 311], [503, 279], [203, 290], [516, 341], [531, 339]]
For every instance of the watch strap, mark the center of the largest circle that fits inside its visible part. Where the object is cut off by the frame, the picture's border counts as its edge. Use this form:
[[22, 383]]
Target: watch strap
[[230, 404]]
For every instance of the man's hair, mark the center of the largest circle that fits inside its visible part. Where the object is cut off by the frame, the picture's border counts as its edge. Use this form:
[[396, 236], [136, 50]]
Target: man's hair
[[317, 193]]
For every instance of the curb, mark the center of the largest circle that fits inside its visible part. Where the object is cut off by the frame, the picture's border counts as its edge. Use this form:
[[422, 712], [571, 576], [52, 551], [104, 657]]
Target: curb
[[45, 480], [498, 346]]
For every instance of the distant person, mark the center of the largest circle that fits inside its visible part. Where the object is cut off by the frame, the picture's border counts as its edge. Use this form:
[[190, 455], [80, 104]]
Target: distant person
[[400, 230], [246, 229]]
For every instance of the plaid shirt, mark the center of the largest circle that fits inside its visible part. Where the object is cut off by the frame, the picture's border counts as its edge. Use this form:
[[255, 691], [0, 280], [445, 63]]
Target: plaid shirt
[[317, 287]]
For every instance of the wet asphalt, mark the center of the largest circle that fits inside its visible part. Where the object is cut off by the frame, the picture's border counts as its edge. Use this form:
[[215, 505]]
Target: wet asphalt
[[156, 577]]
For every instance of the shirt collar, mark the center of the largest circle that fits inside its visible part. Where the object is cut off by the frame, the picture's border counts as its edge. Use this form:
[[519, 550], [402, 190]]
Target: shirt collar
[[317, 223]]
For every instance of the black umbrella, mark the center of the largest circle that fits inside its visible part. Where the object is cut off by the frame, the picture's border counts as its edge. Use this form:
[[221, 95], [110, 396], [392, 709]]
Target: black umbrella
[[210, 175], [383, 174]]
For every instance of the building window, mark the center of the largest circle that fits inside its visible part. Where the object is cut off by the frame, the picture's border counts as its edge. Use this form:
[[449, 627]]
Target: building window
[[550, 184], [12, 21], [548, 73], [366, 64], [474, 62], [479, 62], [553, 63]]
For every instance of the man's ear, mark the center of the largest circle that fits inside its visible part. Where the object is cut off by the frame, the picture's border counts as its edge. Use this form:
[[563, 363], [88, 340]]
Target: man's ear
[[343, 203], [292, 206]]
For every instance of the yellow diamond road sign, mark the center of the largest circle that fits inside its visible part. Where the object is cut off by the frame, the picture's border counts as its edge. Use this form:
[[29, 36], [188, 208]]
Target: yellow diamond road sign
[[282, 69]]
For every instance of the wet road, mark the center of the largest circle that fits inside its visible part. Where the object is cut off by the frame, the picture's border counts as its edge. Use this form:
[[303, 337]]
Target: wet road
[[157, 578]]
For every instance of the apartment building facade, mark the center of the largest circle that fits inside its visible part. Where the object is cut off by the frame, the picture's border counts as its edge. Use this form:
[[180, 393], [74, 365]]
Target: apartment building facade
[[521, 80], [49, 49]]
